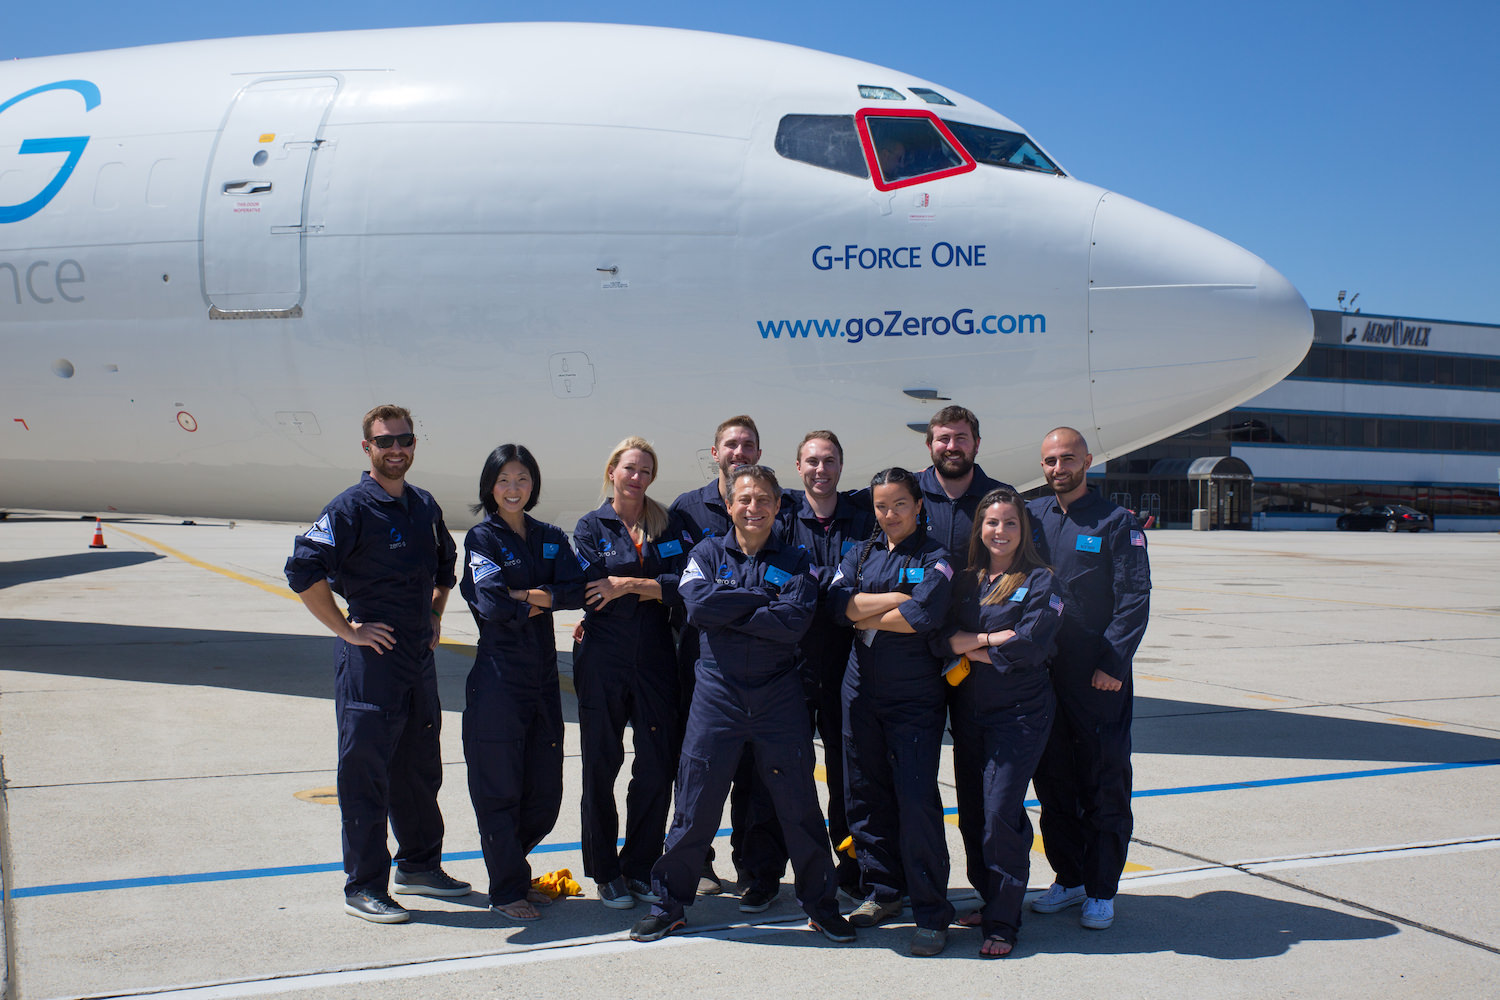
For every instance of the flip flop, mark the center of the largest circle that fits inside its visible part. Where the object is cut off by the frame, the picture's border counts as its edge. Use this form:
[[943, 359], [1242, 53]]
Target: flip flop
[[515, 918], [998, 939]]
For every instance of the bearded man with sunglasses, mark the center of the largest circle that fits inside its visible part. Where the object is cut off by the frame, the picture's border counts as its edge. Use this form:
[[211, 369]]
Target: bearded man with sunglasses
[[382, 546]]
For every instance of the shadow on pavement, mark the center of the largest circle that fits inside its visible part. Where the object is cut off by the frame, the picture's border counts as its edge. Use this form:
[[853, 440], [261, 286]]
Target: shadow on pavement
[[21, 571], [303, 666]]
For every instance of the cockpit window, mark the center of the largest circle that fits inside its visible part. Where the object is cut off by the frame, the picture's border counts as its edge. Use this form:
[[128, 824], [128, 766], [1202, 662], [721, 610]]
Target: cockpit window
[[931, 96], [869, 92], [828, 141], [909, 147], [1000, 148]]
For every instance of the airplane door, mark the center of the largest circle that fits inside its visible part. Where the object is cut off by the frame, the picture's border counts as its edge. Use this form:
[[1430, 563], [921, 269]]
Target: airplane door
[[254, 204]]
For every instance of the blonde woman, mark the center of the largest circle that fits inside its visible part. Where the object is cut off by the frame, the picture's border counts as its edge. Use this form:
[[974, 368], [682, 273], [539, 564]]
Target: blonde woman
[[625, 671]]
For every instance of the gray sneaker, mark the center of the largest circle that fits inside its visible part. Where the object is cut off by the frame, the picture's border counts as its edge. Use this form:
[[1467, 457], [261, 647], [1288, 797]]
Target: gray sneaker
[[871, 912], [709, 883], [1058, 897], [1097, 914], [434, 882], [375, 906], [615, 895]]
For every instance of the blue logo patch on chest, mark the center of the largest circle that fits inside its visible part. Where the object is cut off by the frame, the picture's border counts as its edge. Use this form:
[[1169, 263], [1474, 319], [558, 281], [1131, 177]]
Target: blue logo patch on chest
[[1018, 595], [913, 574], [776, 577], [666, 549], [549, 550], [1088, 543]]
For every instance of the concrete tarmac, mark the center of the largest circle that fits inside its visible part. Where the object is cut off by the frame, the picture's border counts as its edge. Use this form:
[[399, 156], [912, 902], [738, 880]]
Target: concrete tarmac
[[1317, 806]]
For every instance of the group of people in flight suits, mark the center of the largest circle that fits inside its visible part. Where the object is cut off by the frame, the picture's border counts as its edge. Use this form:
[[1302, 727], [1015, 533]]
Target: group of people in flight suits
[[726, 631]]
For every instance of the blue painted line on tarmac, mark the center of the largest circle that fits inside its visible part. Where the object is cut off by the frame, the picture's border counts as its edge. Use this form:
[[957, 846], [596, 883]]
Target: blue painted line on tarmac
[[563, 847]]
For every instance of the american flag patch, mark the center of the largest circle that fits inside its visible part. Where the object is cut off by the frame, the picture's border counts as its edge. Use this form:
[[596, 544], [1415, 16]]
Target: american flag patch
[[1055, 603], [1136, 538], [942, 567]]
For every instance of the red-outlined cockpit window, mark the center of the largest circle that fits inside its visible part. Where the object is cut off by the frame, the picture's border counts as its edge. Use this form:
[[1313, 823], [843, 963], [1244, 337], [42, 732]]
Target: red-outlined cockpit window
[[905, 147]]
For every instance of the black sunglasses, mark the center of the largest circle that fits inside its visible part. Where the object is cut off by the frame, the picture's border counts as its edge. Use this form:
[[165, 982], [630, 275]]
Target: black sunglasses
[[386, 440]]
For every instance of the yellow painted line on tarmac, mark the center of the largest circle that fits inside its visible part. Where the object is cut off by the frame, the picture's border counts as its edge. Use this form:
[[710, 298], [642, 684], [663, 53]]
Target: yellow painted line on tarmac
[[820, 773], [1151, 677], [1335, 600], [270, 588], [1264, 697], [326, 796], [282, 591], [1415, 722]]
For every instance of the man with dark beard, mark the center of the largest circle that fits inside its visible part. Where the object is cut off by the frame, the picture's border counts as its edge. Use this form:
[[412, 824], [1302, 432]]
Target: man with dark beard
[[953, 485], [1084, 778]]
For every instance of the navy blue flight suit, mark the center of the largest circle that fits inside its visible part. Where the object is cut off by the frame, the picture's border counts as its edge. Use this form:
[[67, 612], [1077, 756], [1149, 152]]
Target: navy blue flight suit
[[949, 521], [625, 670], [755, 843], [894, 705], [384, 555], [1084, 778], [824, 650], [751, 611], [513, 727], [1001, 714]]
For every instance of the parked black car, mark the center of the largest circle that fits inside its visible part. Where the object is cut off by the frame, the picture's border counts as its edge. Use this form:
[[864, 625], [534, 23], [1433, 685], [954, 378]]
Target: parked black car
[[1391, 517]]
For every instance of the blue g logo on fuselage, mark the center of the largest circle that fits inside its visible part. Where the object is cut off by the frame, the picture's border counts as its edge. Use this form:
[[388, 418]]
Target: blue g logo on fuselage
[[72, 145]]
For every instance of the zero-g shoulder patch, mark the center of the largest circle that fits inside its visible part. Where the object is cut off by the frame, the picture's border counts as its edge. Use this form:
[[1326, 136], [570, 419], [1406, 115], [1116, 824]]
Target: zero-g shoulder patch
[[693, 572], [321, 531], [481, 567]]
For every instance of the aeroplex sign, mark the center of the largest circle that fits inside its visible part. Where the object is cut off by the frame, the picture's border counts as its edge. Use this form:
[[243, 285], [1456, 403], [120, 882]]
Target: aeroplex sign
[[71, 145], [1392, 334]]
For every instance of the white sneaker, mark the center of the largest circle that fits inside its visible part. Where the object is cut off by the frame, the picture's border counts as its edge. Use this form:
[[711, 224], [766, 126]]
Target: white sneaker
[[1098, 914], [1058, 897]]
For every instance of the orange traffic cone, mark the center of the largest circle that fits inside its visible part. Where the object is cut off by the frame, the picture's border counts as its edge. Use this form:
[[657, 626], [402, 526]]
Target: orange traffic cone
[[98, 542]]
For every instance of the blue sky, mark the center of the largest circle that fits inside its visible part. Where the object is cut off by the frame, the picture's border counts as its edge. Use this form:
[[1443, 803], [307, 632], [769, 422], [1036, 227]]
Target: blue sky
[[1353, 145]]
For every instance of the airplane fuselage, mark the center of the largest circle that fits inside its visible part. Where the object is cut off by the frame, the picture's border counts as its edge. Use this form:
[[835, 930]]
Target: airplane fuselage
[[215, 256]]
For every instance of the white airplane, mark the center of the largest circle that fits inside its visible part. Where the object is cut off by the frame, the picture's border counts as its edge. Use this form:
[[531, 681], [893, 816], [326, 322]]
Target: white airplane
[[216, 255]]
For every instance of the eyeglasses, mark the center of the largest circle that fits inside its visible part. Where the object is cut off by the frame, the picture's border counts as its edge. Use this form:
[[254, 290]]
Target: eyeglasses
[[386, 440]]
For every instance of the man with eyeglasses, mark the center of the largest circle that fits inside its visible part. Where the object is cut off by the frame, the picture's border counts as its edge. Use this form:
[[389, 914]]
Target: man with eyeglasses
[[382, 546]]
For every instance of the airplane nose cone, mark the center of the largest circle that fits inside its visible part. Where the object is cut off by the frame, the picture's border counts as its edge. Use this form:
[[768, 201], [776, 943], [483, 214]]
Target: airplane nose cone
[[1183, 324]]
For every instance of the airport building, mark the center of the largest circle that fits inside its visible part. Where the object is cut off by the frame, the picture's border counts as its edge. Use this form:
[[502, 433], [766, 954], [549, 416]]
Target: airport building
[[1384, 410]]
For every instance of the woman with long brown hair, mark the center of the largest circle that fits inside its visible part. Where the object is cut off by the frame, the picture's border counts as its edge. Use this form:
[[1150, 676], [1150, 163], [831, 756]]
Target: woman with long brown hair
[[1006, 611]]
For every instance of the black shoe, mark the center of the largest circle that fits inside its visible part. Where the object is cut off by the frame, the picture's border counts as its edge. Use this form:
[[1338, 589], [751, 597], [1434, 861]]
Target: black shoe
[[654, 928], [758, 900], [641, 890], [433, 882], [835, 928], [615, 895], [375, 906]]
